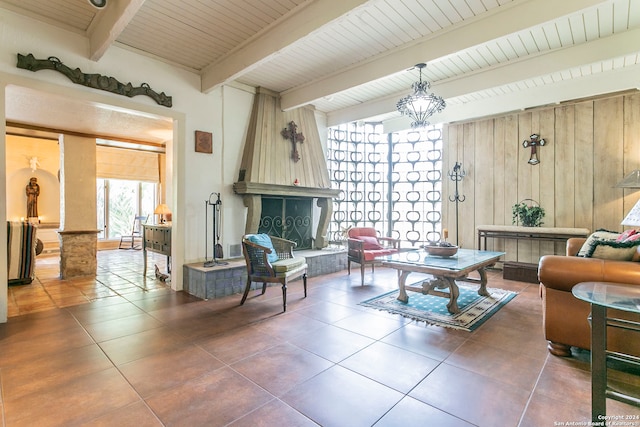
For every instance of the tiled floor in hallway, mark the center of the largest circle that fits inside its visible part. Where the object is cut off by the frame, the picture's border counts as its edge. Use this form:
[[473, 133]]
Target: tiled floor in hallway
[[143, 355]]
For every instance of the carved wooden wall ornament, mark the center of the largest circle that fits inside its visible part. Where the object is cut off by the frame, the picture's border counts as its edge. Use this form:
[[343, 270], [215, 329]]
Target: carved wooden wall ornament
[[95, 81]]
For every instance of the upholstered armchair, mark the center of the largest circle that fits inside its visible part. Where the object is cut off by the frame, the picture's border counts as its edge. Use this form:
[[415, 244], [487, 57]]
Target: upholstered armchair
[[271, 260], [364, 245]]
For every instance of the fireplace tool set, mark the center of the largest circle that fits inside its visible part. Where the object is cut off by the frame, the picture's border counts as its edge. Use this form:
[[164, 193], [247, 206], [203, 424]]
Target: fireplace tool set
[[215, 220]]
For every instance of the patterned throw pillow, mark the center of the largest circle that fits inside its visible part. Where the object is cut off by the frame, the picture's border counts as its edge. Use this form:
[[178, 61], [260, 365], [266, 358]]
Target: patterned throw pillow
[[610, 245], [598, 235], [626, 235]]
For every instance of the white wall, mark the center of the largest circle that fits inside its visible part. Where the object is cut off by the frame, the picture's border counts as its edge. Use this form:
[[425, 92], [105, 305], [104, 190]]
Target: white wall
[[224, 113]]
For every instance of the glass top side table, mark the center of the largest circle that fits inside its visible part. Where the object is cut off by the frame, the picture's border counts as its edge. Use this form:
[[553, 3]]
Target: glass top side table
[[602, 296]]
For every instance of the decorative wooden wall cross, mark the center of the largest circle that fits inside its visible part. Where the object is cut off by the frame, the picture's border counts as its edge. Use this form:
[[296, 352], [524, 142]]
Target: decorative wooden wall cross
[[290, 133], [534, 142]]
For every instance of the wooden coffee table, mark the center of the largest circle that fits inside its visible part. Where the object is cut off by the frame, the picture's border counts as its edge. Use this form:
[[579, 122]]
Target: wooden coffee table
[[446, 270]]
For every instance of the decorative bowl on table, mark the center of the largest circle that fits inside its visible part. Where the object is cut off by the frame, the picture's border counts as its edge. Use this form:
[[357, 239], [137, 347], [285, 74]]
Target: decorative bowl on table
[[441, 250]]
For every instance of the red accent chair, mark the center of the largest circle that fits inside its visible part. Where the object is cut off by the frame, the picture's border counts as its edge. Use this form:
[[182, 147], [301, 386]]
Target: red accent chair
[[364, 245]]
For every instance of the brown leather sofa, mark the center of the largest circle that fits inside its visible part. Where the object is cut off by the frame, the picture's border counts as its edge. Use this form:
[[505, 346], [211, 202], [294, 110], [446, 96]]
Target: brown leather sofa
[[565, 317]]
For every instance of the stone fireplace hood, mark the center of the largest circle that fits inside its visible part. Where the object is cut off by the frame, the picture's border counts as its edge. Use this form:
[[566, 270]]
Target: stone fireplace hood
[[268, 167]]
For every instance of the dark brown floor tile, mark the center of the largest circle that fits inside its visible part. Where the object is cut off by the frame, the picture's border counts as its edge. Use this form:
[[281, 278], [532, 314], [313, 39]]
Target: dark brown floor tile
[[328, 312], [214, 399], [512, 367], [105, 313], [159, 372], [392, 366], [23, 351], [183, 311], [332, 343], [281, 368], [531, 343], [288, 325], [51, 371], [372, 325], [274, 413], [474, 398], [110, 329], [564, 383], [340, 397], [238, 344], [546, 411], [433, 342], [202, 327], [31, 325], [77, 401], [410, 412], [135, 415], [143, 344]]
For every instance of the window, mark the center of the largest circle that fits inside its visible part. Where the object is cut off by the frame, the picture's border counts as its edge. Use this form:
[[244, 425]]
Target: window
[[119, 201], [392, 182]]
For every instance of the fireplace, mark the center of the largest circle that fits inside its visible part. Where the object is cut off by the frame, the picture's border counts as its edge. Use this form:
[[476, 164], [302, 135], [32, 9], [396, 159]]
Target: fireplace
[[288, 217], [275, 168]]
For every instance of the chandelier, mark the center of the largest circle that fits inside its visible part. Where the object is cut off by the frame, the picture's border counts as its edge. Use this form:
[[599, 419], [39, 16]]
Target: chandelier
[[420, 105]]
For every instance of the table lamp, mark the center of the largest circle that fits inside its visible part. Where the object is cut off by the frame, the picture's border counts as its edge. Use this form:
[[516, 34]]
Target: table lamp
[[633, 217], [162, 210]]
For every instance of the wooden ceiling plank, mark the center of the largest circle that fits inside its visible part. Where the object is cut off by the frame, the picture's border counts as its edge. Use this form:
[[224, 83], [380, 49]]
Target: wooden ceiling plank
[[494, 24], [302, 22], [515, 72]]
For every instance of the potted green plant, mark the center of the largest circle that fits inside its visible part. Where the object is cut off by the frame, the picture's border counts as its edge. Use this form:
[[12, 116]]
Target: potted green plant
[[528, 214]]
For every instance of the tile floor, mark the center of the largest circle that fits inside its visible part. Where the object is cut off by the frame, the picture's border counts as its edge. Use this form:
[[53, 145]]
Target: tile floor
[[142, 355]]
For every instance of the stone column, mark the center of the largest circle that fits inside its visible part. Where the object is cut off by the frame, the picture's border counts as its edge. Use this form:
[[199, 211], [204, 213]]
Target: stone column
[[78, 215], [326, 209]]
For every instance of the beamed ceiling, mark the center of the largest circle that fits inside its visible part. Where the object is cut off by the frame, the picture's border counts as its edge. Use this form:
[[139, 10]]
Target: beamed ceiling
[[353, 59]]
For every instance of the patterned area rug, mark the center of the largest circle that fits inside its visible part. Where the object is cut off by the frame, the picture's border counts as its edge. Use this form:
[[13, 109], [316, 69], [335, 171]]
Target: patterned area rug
[[474, 309]]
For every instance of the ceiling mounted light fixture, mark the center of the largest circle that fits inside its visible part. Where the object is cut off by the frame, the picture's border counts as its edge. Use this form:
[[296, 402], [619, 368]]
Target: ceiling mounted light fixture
[[98, 3], [420, 105]]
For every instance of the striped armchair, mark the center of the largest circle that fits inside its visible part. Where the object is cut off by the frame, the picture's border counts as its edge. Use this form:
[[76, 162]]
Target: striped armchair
[[21, 252]]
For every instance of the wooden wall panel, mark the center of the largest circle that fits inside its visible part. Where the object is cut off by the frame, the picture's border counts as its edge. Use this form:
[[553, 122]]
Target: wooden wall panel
[[607, 140], [510, 185], [590, 146], [546, 173], [584, 157], [500, 214], [631, 148], [484, 155], [467, 215]]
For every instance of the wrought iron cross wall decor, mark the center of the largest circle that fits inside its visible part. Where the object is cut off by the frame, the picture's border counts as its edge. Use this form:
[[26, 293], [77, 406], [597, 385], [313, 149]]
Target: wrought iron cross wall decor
[[290, 133], [534, 142]]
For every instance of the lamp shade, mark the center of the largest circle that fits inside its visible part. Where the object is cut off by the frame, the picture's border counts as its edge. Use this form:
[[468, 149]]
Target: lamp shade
[[162, 209], [630, 181], [633, 217]]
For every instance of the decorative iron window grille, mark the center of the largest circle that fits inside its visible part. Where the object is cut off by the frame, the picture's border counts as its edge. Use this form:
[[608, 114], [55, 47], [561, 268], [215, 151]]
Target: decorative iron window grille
[[392, 182]]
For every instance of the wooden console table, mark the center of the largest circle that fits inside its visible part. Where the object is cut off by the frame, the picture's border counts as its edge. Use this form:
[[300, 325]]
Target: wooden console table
[[156, 238], [546, 234]]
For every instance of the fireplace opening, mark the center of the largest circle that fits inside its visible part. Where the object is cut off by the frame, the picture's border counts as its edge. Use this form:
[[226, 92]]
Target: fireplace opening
[[288, 217]]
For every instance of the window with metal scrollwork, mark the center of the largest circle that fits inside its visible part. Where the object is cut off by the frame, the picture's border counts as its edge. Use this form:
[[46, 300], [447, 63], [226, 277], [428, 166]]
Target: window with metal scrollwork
[[392, 182]]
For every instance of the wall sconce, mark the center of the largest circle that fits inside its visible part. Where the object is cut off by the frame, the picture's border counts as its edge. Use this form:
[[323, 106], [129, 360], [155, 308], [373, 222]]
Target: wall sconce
[[162, 210]]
